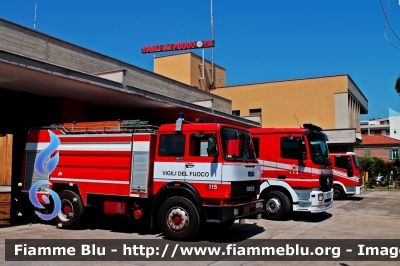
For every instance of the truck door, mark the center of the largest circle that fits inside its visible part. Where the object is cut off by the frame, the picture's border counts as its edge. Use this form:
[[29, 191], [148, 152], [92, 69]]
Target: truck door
[[170, 164], [202, 169], [265, 147], [343, 169], [294, 165]]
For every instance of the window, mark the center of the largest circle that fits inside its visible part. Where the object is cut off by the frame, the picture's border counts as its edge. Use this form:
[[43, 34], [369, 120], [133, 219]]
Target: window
[[372, 132], [255, 112], [199, 144], [367, 152], [290, 148], [256, 143], [172, 145], [236, 112], [342, 162], [237, 145], [394, 131], [394, 153], [383, 132]]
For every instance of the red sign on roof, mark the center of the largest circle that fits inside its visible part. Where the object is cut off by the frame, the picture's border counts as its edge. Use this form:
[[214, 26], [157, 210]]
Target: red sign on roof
[[177, 46]]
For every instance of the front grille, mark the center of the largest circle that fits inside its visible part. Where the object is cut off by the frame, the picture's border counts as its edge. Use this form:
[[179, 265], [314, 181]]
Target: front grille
[[245, 189], [326, 183]]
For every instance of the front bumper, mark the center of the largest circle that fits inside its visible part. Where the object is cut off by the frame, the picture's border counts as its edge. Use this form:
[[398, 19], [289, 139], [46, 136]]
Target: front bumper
[[315, 204], [219, 214]]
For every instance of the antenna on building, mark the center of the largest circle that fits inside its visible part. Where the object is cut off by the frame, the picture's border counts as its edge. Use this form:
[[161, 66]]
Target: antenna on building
[[296, 117], [212, 49], [34, 21]]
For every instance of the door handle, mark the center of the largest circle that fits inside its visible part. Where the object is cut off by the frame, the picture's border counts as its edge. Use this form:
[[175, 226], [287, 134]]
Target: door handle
[[189, 165], [281, 177]]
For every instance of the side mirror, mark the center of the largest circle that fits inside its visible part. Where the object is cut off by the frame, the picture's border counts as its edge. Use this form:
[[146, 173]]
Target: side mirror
[[349, 168], [350, 172], [302, 151], [212, 146]]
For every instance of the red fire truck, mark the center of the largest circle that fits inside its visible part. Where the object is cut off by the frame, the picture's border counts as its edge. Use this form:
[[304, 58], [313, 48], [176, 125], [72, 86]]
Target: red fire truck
[[346, 175], [296, 171], [176, 176]]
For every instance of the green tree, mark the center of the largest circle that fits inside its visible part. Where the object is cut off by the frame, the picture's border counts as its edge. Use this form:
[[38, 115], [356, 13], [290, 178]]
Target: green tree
[[397, 85], [374, 166], [366, 164]]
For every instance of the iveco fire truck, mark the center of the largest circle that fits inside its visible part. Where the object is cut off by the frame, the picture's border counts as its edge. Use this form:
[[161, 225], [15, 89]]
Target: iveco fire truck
[[346, 175], [176, 176], [296, 171]]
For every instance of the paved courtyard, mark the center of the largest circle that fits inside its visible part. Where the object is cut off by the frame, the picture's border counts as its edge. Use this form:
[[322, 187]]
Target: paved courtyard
[[373, 215]]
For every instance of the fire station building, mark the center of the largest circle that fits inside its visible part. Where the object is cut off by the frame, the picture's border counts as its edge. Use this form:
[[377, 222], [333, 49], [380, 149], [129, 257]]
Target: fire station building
[[45, 80]]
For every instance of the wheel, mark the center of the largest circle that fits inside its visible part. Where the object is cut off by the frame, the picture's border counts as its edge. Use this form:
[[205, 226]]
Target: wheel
[[71, 210], [178, 219], [338, 193], [276, 206], [222, 226]]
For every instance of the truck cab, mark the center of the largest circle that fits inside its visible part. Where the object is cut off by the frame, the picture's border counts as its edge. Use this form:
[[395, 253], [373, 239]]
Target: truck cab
[[296, 172], [346, 175]]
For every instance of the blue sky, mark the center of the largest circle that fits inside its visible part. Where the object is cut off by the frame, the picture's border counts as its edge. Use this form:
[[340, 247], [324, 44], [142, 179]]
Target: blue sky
[[256, 40]]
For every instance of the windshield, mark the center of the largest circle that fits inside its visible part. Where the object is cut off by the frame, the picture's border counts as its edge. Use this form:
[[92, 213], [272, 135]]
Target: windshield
[[356, 162], [237, 145], [319, 148]]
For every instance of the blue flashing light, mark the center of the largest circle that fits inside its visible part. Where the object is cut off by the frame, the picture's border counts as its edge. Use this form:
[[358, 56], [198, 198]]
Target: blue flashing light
[[312, 127], [181, 116]]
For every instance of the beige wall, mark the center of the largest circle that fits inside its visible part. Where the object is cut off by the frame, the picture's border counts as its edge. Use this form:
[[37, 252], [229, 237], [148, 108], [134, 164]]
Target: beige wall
[[331, 102], [310, 100], [176, 67], [186, 68]]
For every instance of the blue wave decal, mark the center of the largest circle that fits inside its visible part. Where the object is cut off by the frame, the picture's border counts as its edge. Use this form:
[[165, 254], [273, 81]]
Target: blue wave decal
[[33, 198], [43, 170], [46, 153]]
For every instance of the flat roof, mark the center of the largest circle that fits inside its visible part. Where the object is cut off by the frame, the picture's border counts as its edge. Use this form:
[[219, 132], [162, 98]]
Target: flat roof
[[25, 74]]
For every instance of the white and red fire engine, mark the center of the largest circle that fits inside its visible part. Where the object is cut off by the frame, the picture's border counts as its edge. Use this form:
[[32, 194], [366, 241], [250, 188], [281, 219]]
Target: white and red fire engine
[[296, 171], [346, 175], [176, 176]]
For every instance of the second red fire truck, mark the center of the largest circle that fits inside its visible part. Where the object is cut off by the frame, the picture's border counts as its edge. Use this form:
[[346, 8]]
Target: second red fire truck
[[176, 176], [346, 175], [295, 169]]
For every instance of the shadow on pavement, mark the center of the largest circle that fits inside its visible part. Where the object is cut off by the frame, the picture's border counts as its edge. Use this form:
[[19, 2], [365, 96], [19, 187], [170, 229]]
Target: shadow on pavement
[[310, 217], [353, 198], [117, 224], [236, 233]]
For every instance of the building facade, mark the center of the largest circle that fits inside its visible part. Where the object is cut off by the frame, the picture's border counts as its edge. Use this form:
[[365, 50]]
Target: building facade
[[383, 147], [334, 103]]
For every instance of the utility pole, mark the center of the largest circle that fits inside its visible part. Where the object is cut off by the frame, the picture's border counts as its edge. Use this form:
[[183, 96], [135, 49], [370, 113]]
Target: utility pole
[[34, 21], [212, 50]]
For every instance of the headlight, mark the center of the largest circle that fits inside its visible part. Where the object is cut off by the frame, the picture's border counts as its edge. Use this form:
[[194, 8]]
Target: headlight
[[320, 197], [235, 211], [259, 205]]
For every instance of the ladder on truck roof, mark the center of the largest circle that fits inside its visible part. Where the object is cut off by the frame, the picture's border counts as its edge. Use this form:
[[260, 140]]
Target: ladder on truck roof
[[103, 127]]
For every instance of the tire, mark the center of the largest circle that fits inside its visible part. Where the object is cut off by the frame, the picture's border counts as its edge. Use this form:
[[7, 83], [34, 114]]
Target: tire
[[178, 219], [338, 193], [276, 206], [71, 210]]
